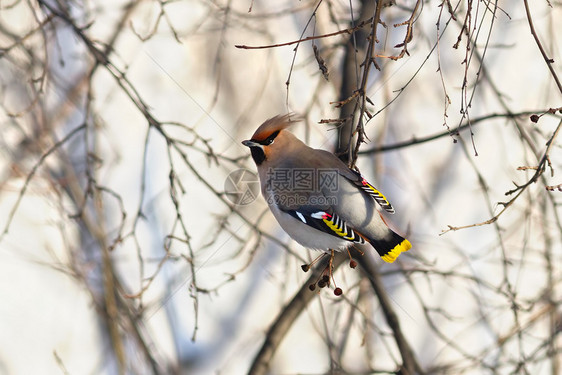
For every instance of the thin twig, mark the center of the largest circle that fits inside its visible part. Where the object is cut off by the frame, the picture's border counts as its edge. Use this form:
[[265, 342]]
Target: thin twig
[[549, 61], [519, 189], [31, 174], [287, 316], [429, 138], [345, 31], [410, 365]]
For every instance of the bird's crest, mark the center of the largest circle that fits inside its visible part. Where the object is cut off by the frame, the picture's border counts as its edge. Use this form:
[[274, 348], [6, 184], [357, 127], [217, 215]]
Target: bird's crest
[[274, 124]]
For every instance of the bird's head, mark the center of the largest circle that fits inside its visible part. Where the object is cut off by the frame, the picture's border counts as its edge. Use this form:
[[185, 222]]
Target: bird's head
[[272, 139]]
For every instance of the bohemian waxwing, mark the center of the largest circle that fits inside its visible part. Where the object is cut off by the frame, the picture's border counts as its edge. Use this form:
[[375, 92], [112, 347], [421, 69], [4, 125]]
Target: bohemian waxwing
[[320, 202]]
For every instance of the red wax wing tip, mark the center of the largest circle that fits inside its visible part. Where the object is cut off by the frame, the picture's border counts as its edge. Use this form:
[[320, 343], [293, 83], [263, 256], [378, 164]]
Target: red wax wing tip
[[326, 215]]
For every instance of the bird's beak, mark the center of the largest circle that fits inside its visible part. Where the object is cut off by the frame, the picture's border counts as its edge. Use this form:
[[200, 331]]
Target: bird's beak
[[249, 143]]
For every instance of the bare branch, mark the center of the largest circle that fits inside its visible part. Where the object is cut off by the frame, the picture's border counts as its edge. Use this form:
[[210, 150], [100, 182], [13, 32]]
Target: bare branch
[[314, 37]]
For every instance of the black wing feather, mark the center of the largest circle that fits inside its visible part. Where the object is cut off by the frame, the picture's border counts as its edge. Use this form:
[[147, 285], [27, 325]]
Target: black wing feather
[[364, 185], [326, 222]]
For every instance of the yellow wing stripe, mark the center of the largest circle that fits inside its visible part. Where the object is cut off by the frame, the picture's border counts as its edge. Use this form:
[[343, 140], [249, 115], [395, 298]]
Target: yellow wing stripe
[[339, 227], [393, 254], [379, 197]]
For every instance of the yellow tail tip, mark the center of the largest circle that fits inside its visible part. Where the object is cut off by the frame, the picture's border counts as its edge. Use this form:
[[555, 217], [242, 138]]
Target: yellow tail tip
[[391, 256]]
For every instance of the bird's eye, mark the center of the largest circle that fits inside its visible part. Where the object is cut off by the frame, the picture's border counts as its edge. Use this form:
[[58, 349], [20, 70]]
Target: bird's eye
[[269, 140]]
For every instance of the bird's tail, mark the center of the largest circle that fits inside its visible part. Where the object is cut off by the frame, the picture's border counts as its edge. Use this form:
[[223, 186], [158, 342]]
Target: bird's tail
[[391, 246]]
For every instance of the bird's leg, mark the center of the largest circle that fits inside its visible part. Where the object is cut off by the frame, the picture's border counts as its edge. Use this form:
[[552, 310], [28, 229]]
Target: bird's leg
[[337, 290], [327, 273], [331, 267]]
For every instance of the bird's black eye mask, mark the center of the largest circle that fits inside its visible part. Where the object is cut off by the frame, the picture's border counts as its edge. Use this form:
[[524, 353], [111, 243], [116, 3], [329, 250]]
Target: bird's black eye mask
[[258, 154], [269, 140]]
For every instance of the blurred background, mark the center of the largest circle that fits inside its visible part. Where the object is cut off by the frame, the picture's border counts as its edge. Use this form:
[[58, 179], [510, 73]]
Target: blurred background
[[132, 238]]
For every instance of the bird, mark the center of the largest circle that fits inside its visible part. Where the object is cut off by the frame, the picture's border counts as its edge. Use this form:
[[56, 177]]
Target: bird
[[316, 198]]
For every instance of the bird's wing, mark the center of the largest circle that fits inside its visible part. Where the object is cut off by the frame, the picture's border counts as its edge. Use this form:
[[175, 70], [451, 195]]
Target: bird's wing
[[364, 185], [327, 222], [324, 158]]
